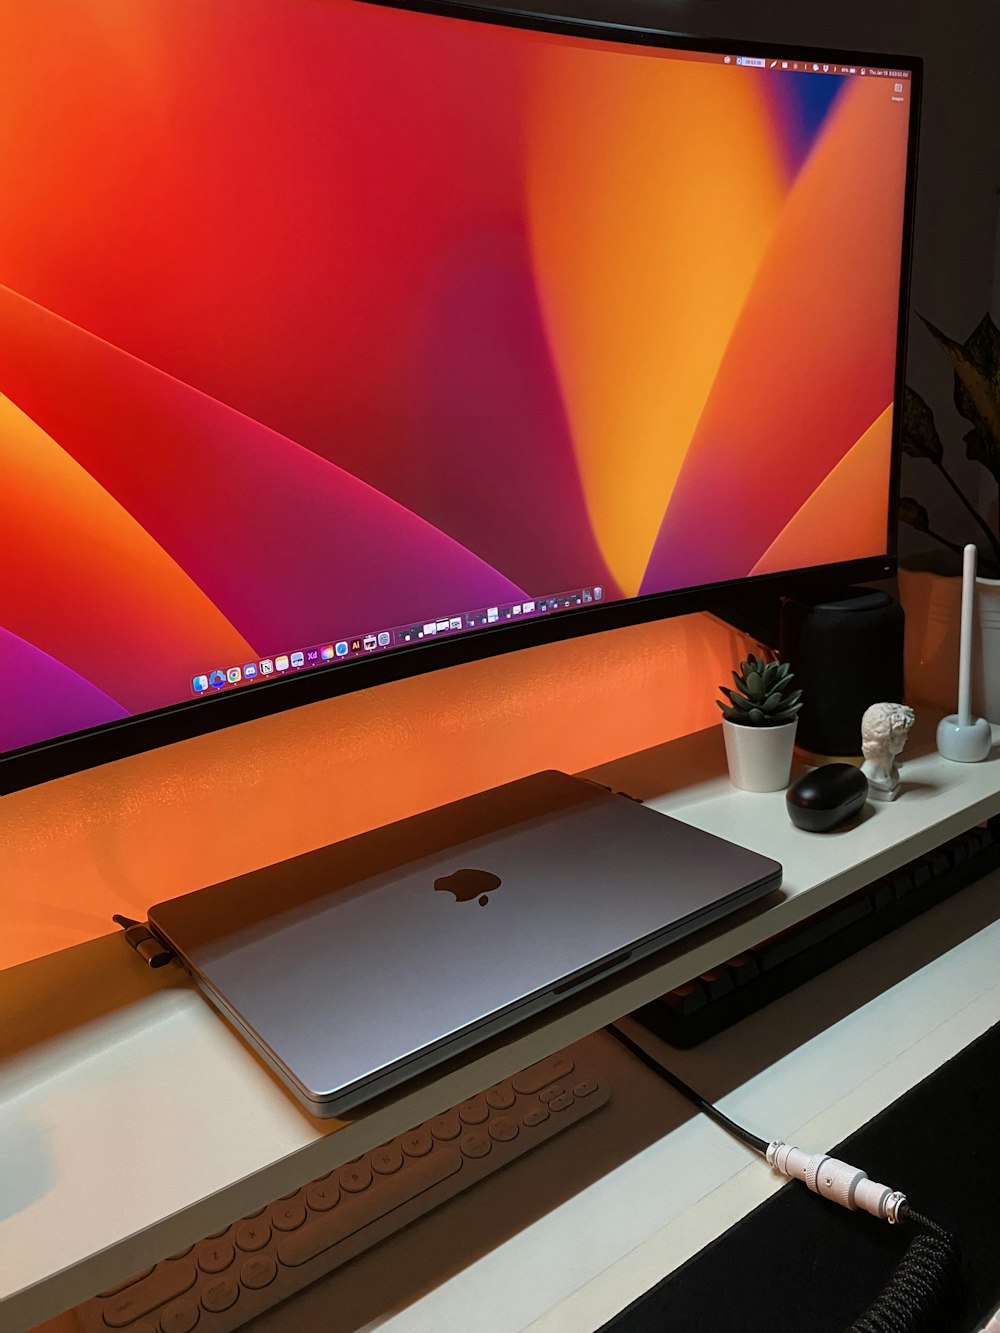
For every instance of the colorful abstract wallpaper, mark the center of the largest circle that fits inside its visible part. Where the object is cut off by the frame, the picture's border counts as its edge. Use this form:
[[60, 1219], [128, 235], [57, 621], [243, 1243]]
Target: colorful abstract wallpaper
[[319, 317]]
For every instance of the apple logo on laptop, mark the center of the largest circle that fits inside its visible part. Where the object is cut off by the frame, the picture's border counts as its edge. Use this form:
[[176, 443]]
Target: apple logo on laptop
[[467, 884]]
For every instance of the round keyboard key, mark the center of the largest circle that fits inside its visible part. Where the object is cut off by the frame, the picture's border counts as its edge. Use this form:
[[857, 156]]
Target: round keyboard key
[[474, 1111], [476, 1144], [417, 1143], [180, 1317], [546, 1071], [585, 1087], [255, 1214], [252, 1236], [164, 1283], [136, 1277], [536, 1116], [356, 1178], [501, 1098], [214, 1235], [549, 1094], [446, 1126], [220, 1295], [503, 1128], [288, 1216], [259, 1272], [181, 1254], [324, 1196], [562, 1102], [386, 1161], [215, 1256]]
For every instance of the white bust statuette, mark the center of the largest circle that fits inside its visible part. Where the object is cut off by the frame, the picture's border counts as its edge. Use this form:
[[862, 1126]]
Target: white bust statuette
[[884, 729]]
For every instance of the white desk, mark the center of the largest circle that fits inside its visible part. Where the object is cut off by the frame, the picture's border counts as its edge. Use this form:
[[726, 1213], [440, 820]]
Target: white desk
[[652, 1181], [133, 1122]]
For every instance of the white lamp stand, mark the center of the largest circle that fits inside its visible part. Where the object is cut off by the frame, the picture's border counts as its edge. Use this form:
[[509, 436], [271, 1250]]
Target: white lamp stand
[[961, 736]]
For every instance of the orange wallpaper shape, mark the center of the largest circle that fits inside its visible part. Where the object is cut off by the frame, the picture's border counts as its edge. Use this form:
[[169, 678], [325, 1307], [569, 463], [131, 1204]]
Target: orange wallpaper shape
[[121, 837], [54, 510], [857, 486], [631, 371]]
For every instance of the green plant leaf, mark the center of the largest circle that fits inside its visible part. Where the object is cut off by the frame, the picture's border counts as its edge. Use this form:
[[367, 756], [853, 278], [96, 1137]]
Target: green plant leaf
[[976, 364], [732, 716], [755, 685], [983, 345], [913, 513], [737, 700], [980, 449], [760, 691], [741, 704], [920, 434]]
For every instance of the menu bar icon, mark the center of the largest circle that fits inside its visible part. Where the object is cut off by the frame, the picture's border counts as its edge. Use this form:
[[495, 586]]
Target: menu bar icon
[[337, 651]]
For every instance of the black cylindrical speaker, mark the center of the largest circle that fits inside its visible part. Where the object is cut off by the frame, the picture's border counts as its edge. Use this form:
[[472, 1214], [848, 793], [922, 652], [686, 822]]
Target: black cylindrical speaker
[[846, 653]]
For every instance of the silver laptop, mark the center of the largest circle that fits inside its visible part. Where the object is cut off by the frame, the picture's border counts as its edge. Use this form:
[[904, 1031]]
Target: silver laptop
[[362, 964]]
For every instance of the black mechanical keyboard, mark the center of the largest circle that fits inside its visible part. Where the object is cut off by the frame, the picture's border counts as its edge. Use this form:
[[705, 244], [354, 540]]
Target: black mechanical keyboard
[[707, 1004]]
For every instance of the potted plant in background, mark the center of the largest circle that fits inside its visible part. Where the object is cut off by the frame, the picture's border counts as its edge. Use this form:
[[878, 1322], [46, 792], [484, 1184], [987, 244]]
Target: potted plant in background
[[930, 586], [759, 720]]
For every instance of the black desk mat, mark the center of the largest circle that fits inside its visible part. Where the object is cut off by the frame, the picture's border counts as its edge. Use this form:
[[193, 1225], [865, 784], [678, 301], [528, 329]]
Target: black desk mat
[[799, 1264]]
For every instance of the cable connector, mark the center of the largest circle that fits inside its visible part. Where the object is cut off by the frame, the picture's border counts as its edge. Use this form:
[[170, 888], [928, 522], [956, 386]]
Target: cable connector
[[836, 1180], [143, 941]]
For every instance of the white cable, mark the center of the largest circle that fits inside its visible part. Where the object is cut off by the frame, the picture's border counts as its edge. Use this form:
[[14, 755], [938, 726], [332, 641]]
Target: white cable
[[836, 1180]]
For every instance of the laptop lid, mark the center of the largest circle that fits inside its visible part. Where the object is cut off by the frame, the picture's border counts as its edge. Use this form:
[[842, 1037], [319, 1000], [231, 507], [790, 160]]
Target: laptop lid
[[358, 965]]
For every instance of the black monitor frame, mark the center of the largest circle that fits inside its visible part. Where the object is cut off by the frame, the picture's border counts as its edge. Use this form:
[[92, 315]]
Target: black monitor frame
[[62, 756]]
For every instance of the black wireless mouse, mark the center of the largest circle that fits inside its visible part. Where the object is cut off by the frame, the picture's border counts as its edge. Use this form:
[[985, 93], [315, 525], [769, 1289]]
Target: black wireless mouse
[[826, 797]]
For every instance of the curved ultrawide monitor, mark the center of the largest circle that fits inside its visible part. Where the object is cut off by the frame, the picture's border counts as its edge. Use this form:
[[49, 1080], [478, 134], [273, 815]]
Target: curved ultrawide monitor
[[341, 341]]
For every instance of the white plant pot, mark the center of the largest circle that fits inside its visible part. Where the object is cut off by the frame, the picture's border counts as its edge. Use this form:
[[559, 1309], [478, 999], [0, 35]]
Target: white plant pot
[[933, 606], [759, 758]]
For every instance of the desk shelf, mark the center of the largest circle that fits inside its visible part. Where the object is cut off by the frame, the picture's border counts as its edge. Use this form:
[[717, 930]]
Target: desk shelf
[[133, 1121]]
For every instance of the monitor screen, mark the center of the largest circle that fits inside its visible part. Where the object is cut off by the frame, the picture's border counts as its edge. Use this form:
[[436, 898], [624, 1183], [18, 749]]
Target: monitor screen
[[338, 341]]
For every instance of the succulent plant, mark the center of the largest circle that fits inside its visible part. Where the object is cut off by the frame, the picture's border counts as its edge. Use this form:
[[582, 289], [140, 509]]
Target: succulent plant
[[762, 697]]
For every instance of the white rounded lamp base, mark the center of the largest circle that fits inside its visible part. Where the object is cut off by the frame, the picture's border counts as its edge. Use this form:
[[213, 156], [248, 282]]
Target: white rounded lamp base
[[967, 744]]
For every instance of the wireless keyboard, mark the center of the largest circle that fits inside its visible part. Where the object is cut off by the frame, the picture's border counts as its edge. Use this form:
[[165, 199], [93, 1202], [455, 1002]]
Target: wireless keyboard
[[238, 1273]]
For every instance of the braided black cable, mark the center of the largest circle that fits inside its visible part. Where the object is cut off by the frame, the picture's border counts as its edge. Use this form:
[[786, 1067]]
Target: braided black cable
[[917, 1297], [919, 1293]]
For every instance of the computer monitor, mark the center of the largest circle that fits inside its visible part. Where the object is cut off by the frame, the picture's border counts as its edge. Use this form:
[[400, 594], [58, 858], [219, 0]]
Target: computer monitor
[[342, 341]]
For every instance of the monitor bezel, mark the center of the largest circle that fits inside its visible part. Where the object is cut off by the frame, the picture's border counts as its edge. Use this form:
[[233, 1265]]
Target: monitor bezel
[[64, 755]]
